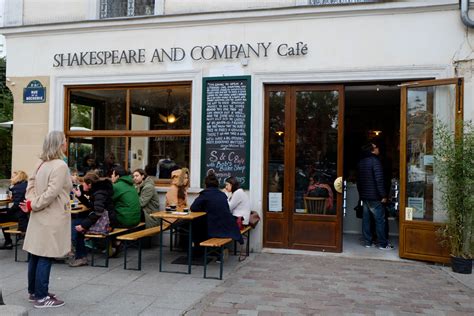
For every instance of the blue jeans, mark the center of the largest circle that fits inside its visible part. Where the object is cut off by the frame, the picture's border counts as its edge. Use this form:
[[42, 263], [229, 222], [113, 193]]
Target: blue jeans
[[78, 240], [39, 269], [376, 208]]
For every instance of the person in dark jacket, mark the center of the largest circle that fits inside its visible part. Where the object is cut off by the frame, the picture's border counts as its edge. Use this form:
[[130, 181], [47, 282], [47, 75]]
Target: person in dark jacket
[[370, 184], [18, 184], [219, 220], [100, 193]]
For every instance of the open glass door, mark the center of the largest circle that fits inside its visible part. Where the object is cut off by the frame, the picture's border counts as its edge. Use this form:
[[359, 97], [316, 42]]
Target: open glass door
[[304, 131], [421, 214]]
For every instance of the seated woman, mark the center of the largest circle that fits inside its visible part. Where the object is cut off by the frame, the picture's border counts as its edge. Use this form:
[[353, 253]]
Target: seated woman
[[319, 189], [177, 193], [126, 200], [239, 203], [149, 200], [219, 220], [18, 184], [100, 192]]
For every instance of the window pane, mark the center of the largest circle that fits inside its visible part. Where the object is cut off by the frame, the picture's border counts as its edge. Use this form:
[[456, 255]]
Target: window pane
[[423, 105], [316, 151], [276, 146], [161, 108], [168, 153], [119, 8], [144, 7], [90, 153], [97, 110], [113, 8]]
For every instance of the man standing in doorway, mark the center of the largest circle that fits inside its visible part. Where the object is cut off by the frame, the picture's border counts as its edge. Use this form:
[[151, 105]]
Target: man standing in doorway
[[370, 184]]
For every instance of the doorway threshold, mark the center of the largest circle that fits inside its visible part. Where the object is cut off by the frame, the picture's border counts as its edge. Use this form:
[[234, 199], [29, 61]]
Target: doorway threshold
[[352, 248]]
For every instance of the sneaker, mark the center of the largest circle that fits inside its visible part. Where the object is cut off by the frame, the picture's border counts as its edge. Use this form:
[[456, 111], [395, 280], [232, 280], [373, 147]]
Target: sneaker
[[32, 297], [78, 262], [388, 247], [48, 302], [369, 245], [7, 245]]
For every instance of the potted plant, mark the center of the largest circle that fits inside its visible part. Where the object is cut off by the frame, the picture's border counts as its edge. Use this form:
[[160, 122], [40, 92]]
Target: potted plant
[[454, 170]]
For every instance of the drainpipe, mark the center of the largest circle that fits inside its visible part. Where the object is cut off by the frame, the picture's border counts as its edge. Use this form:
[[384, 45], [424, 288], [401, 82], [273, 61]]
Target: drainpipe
[[465, 14]]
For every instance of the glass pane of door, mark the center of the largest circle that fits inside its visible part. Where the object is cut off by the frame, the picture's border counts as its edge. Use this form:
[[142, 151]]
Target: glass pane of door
[[424, 106], [276, 151], [316, 152]]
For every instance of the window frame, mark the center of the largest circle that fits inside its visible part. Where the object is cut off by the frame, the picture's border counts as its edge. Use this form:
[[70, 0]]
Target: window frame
[[127, 133]]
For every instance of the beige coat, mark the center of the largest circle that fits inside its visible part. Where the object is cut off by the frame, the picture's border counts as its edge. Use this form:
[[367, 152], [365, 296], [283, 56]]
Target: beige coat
[[49, 229], [172, 198]]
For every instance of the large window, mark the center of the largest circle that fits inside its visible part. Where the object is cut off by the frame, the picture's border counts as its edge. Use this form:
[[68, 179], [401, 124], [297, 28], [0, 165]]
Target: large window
[[121, 8], [138, 126]]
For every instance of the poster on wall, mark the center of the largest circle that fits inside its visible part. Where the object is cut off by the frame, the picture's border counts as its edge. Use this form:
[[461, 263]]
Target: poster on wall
[[417, 203], [225, 146]]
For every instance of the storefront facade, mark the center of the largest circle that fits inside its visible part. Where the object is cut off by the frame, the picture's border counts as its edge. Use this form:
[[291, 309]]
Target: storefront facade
[[135, 88]]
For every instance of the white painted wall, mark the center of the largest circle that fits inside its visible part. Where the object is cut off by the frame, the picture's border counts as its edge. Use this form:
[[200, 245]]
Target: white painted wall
[[54, 11], [32, 12]]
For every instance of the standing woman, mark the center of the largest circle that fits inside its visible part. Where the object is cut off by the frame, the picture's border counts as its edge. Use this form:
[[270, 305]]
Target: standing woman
[[239, 203], [49, 230], [149, 200]]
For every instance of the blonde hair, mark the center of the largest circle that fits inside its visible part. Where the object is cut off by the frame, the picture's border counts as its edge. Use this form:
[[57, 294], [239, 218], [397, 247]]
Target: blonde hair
[[52, 146], [18, 176]]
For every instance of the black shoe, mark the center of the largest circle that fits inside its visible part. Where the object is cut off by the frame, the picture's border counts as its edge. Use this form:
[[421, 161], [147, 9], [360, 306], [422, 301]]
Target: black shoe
[[7, 245]]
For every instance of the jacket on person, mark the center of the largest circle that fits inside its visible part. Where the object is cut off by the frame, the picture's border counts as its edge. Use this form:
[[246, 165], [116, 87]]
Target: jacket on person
[[370, 182], [149, 201], [49, 229], [18, 191], [100, 200], [220, 222], [127, 203]]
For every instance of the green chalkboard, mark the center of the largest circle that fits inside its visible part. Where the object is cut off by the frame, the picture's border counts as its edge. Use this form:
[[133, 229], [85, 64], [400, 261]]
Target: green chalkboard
[[226, 128]]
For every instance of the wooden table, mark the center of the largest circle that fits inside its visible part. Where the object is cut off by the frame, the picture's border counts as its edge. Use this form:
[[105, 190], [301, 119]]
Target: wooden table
[[80, 209], [174, 219], [5, 202]]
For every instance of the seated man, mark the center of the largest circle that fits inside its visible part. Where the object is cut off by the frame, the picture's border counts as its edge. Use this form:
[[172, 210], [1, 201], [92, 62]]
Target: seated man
[[219, 221], [126, 200]]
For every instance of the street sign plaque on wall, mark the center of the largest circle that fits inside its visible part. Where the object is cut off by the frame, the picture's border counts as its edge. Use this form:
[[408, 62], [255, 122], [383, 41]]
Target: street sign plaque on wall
[[34, 92]]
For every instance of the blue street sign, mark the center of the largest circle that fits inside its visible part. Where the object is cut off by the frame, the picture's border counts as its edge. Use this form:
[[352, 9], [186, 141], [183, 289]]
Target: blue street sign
[[34, 92]]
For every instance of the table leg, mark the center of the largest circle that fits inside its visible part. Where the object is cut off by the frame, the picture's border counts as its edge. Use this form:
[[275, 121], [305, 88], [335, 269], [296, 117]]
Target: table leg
[[190, 246], [161, 244]]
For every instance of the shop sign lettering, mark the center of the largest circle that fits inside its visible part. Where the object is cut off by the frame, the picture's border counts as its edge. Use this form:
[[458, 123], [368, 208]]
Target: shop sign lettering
[[177, 54]]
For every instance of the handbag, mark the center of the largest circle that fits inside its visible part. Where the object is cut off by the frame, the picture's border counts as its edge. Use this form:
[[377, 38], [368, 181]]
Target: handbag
[[102, 226], [359, 209], [254, 219]]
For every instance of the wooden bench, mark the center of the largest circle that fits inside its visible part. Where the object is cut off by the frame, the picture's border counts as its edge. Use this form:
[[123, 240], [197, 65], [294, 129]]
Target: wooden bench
[[135, 239], [8, 224], [216, 245], [107, 238], [18, 236], [245, 232]]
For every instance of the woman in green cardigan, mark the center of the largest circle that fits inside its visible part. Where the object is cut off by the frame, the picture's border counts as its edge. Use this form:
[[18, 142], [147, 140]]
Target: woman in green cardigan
[[148, 196]]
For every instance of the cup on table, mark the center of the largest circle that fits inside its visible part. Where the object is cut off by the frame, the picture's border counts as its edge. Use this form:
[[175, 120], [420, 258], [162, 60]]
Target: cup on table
[[186, 210], [3, 196], [173, 208], [168, 209]]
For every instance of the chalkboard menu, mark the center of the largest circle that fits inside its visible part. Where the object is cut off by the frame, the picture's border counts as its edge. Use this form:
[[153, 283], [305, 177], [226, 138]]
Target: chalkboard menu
[[226, 128]]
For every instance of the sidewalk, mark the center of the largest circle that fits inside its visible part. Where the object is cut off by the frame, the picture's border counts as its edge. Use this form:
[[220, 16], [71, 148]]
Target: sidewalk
[[264, 284]]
